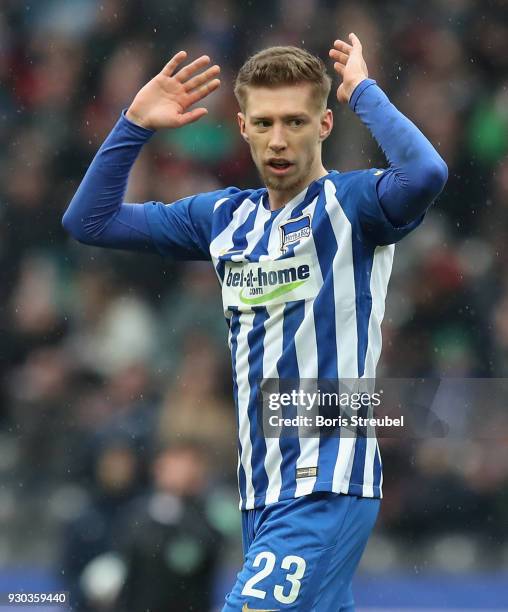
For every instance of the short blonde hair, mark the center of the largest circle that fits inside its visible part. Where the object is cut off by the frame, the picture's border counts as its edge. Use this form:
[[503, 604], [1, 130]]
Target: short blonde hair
[[283, 66]]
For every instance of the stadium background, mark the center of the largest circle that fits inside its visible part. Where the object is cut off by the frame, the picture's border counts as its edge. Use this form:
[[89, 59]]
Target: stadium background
[[115, 378]]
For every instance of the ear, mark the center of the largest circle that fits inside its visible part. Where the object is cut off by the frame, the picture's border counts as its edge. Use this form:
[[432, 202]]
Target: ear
[[326, 124], [241, 122]]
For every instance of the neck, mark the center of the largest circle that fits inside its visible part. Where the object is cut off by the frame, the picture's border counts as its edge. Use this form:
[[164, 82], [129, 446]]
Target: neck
[[279, 198]]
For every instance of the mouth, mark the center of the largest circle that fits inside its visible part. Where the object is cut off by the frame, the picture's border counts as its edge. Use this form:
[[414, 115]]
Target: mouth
[[279, 166]]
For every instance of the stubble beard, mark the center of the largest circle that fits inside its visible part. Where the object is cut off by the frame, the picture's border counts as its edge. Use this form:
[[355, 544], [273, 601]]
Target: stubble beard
[[283, 184], [293, 185]]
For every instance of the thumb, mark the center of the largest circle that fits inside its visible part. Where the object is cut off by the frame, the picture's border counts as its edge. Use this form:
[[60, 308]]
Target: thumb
[[355, 42], [341, 94]]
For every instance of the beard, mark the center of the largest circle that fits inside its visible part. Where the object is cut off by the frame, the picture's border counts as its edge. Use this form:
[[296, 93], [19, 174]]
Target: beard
[[282, 183]]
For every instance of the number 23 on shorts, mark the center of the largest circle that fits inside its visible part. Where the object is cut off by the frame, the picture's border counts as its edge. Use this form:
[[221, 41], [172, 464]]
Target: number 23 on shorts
[[285, 593]]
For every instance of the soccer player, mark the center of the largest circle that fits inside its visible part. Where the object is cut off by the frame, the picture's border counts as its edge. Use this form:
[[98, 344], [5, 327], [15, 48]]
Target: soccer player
[[304, 264]]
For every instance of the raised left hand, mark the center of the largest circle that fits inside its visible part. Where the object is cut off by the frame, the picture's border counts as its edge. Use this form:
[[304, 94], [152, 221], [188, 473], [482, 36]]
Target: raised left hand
[[349, 65]]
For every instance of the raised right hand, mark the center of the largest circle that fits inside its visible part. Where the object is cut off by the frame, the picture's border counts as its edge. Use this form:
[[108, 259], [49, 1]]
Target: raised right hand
[[350, 66], [163, 101]]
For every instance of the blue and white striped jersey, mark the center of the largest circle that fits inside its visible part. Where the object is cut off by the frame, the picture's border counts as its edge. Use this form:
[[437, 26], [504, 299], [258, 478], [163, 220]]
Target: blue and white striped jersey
[[304, 292]]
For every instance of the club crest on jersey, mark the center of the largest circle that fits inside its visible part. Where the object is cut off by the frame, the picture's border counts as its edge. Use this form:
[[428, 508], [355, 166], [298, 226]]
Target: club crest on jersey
[[294, 230]]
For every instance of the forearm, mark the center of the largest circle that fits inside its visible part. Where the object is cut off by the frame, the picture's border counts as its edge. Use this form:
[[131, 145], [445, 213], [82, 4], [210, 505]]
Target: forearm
[[417, 173], [96, 214]]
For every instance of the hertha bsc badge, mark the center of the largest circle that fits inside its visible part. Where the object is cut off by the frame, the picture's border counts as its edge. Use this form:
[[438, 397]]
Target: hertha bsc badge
[[294, 230]]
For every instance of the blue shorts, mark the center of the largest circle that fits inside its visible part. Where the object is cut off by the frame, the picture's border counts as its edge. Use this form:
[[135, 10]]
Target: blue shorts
[[301, 554]]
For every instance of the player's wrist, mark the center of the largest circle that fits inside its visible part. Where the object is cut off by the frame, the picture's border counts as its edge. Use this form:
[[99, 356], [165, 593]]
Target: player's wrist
[[136, 119], [353, 85], [358, 91]]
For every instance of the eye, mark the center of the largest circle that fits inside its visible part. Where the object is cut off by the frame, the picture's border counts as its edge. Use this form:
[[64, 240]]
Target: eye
[[296, 122], [264, 123]]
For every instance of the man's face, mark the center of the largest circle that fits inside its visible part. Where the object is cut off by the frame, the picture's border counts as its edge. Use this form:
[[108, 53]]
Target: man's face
[[284, 128]]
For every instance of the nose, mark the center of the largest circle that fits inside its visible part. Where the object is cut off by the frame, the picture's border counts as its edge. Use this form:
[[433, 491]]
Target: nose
[[277, 138]]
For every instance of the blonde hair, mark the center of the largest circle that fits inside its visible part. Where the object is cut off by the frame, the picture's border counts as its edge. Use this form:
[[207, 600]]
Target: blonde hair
[[283, 66]]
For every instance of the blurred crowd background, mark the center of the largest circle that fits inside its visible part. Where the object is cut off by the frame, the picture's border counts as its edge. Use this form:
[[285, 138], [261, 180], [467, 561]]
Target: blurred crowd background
[[117, 429]]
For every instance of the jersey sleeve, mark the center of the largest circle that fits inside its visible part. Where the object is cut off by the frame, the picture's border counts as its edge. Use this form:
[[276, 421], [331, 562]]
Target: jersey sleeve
[[373, 223], [98, 216], [392, 202], [183, 230]]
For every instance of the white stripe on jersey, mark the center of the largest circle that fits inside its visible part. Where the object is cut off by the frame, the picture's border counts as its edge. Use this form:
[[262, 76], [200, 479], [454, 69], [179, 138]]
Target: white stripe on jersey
[[345, 322], [272, 350], [242, 376], [344, 289], [219, 203], [306, 353], [307, 357], [284, 215], [255, 234], [380, 275], [368, 469], [381, 471], [224, 241]]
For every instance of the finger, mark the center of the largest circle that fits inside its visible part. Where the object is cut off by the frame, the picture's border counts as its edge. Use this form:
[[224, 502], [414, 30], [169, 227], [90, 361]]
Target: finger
[[171, 66], [202, 78], [339, 68], [339, 56], [203, 91], [189, 70], [355, 41], [192, 116], [340, 45]]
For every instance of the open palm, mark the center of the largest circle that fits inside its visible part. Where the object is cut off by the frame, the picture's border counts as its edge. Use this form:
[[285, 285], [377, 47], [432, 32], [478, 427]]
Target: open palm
[[164, 101]]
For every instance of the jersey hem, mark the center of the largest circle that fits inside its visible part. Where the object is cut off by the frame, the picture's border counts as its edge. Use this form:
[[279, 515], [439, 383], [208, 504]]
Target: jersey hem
[[353, 489]]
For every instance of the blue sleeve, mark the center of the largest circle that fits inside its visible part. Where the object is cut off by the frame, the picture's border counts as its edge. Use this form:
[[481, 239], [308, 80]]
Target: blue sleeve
[[183, 230], [98, 216], [374, 224], [394, 200]]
